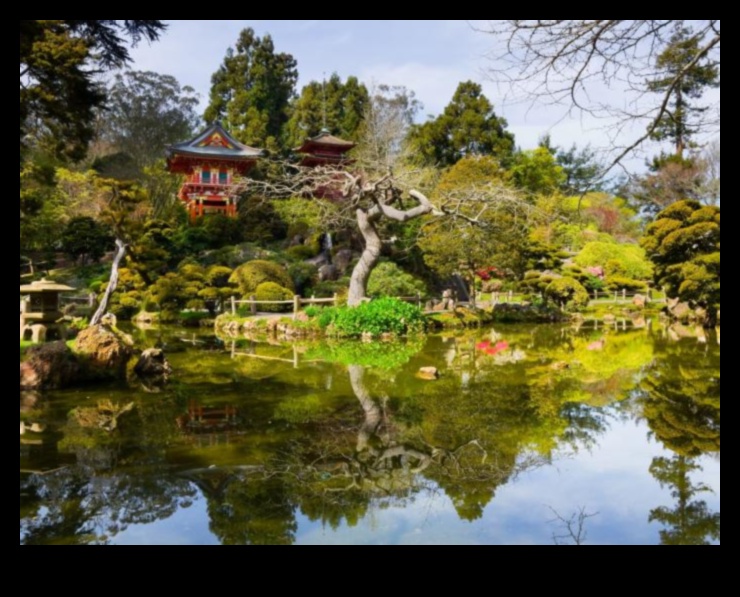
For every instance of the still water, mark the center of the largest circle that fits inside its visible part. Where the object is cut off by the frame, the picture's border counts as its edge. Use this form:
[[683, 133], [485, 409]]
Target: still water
[[531, 435]]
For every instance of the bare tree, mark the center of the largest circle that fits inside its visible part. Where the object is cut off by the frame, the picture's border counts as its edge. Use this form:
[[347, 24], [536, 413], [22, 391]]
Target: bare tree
[[569, 62]]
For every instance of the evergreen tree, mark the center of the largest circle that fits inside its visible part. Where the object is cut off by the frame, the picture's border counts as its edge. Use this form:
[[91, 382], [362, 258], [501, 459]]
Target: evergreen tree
[[685, 75], [467, 127], [59, 64], [252, 90], [339, 107]]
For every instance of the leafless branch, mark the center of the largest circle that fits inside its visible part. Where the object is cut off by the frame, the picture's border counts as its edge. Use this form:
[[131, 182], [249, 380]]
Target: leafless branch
[[573, 529]]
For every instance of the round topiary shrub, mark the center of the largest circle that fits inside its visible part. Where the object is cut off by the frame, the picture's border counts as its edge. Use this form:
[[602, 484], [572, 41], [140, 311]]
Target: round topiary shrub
[[568, 293], [269, 291], [251, 275]]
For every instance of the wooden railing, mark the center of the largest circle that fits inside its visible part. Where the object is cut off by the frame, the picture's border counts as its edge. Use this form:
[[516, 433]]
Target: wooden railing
[[297, 303]]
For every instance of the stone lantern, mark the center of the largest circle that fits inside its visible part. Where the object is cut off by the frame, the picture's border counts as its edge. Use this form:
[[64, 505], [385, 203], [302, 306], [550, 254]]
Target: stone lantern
[[40, 311]]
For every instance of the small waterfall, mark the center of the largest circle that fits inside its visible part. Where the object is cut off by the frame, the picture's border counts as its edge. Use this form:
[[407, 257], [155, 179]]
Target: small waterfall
[[328, 246]]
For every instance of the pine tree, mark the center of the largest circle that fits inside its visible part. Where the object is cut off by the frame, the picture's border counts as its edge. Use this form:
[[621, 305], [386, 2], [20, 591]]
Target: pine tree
[[467, 127], [686, 76], [252, 90]]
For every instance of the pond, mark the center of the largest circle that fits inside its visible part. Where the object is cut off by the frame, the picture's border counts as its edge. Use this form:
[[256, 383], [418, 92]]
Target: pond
[[531, 435]]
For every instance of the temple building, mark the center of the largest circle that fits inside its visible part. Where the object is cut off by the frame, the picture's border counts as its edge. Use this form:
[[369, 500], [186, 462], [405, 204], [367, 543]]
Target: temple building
[[211, 162], [324, 150]]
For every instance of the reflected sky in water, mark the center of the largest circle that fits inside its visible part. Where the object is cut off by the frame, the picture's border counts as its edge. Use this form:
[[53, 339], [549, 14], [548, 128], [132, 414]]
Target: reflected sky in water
[[528, 433]]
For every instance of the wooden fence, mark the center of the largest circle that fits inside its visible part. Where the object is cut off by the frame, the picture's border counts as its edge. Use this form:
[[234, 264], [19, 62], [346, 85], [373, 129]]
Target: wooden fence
[[297, 303]]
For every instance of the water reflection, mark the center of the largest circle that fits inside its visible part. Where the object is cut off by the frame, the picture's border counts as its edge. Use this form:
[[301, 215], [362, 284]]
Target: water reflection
[[681, 403], [337, 433]]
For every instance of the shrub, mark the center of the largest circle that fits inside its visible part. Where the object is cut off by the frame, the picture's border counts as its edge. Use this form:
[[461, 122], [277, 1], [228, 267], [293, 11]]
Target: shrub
[[568, 293], [251, 275], [618, 283], [304, 276], [627, 260], [382, 316], [390, 280], [269, 291], [301, 252]]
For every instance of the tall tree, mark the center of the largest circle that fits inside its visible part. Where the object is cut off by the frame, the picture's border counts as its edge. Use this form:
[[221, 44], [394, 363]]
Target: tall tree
[[145, 113], [59, 64], [467, 127], [334, 105], [684, 74], [252, 90]]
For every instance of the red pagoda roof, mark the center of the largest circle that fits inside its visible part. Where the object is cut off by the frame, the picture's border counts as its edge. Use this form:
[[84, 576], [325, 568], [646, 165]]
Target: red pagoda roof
[[325, 141], [214, 143]]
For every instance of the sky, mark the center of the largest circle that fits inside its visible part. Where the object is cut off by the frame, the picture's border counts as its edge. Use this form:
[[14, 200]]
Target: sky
[[429, 57]]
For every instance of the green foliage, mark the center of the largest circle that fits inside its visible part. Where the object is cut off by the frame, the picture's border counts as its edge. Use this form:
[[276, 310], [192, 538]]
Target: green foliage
[[86, 241], [192, 287], [568, 293], [450, 246], [145, 113], [304, 276], [269, 291], [619, 283], [537, 172], [382, 316], [388, 279], [337, 106], [684, 244], [252, 90], [301, 252], [467, 127], [251, 275], [631, 259], [60, 62]]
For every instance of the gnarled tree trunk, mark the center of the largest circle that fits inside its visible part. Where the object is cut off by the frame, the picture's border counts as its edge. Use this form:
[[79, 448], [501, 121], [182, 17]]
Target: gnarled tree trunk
[[366, 220], [368, 261]]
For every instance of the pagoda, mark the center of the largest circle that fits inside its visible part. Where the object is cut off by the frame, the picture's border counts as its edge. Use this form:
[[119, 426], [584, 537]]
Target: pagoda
[[324, 150], [210, 162]]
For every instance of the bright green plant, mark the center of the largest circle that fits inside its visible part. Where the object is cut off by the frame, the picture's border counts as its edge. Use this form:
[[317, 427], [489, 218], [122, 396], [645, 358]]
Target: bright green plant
[[568, 294], [251, 275], [383, 316], [390, 280], [269, 291], [629, 261]]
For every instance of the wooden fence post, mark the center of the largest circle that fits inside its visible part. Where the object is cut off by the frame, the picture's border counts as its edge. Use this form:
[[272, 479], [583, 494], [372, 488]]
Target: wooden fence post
[[233, 306], [296, 306], [336, 299], [418, 299], [254, 304], [624, 295]]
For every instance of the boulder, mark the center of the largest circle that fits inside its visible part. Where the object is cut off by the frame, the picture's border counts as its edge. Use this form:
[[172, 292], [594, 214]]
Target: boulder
[[153, 363], [103, 352], [328, 273], [343, 260], [49, 367]]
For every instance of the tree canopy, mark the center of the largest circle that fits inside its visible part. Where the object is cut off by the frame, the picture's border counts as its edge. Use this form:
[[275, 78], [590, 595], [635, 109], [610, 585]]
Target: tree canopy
[[252, 90], [59, 65], [334, 105], [684, 244], [467, 127], [145, 113]]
